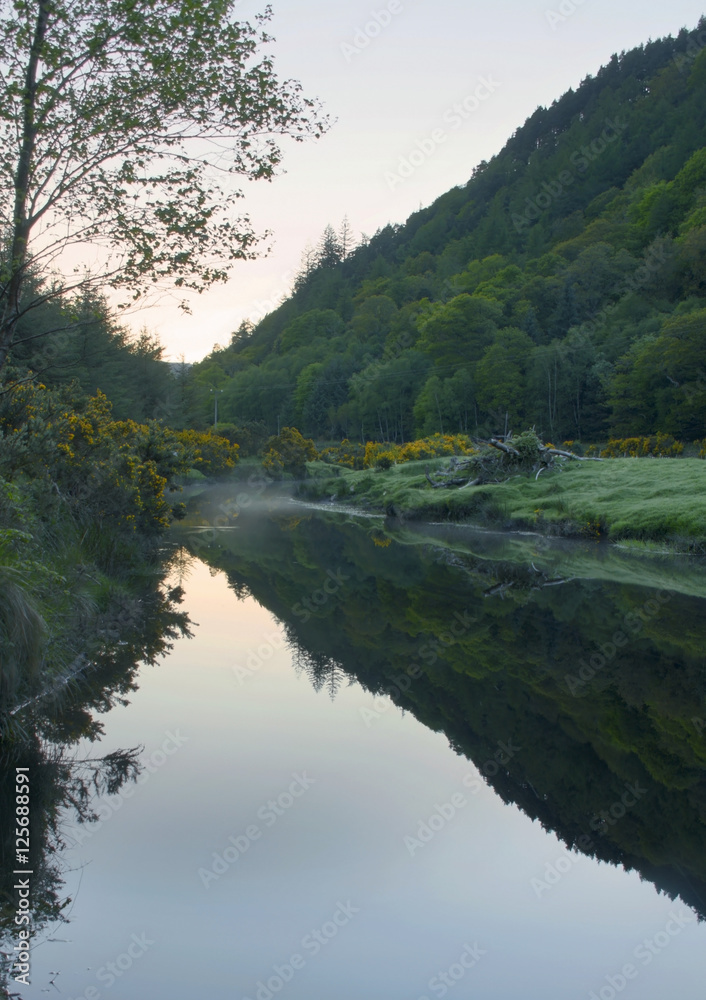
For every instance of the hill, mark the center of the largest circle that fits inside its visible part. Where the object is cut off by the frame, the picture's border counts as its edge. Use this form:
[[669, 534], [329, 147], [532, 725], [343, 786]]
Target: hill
[[563, 286]]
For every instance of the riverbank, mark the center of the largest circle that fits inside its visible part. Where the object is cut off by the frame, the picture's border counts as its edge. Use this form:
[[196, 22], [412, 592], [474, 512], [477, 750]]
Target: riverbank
[[84, 503], [649, 500], [77, 596]]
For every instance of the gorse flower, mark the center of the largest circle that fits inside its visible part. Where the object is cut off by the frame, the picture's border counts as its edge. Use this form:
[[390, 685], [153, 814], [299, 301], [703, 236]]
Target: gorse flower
[[378, 454], [105, 469], [658, 445]]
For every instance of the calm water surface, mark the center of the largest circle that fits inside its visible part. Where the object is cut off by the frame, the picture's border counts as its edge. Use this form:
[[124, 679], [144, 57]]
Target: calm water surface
[[399, 763]]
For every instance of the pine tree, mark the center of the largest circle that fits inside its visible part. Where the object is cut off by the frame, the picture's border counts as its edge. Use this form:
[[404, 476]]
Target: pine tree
[[239, 337], [346, 238], [329, 252], [307, 265]]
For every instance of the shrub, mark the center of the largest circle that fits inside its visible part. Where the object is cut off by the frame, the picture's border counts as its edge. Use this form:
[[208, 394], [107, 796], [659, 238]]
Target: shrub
[[249, 437], [358, 456], [435, 447], [104, 470], [658, 445], [288, 451], [208, 453]]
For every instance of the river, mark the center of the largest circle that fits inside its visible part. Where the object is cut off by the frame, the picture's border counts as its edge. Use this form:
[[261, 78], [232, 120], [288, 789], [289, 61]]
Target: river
[[393, 762]]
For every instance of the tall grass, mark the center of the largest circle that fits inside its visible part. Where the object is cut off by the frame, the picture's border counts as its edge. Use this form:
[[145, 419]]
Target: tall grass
[[22, 635], [648, 499]]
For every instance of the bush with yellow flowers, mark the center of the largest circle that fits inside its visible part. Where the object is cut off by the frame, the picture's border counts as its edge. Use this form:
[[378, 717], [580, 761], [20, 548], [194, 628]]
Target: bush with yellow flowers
[[658, 446], [436, 446], [378, 454], [209, 453], [105, 471], [288, 451], [348, 454], [83, 499]]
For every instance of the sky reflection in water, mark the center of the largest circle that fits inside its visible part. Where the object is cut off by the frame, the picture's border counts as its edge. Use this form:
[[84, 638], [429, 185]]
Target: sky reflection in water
[[320, 894]]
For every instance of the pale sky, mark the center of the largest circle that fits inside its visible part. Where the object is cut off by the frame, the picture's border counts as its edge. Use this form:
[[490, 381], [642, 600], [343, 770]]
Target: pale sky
[[388, 97]]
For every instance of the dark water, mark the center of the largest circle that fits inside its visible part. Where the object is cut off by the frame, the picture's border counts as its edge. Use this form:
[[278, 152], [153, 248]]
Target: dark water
[[395, 762]]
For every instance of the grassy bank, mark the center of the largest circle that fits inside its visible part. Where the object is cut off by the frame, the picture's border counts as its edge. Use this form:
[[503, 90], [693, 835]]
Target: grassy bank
[[653, 500]]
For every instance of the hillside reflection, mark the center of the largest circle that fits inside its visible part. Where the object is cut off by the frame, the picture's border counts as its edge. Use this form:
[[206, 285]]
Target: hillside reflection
[[585, 665]]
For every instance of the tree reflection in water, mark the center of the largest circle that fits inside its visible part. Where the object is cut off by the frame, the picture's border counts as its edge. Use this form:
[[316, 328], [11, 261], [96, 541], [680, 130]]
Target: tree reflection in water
[[527, 616], [43, 734]]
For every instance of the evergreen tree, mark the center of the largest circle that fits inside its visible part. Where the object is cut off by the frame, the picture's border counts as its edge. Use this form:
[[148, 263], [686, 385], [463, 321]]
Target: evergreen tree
[[329, 252], [346, 238], [241, 336], [307, 265]]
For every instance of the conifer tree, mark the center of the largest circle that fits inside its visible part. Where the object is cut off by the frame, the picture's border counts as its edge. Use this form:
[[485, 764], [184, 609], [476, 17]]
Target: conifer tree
[[346, 238], [329, 252]]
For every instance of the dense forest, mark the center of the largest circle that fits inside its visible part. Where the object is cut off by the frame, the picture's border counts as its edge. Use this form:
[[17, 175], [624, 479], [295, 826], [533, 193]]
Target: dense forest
[[78, 340], [563, 286]]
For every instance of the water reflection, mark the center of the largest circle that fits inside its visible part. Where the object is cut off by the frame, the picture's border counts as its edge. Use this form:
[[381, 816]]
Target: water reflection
[[572, 676], [509, 647], [39, 737]]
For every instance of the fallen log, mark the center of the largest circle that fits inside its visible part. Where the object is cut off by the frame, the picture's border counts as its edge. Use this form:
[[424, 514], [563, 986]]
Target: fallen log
[[494, 443], [570, 454], [558, 582], [502, 458]]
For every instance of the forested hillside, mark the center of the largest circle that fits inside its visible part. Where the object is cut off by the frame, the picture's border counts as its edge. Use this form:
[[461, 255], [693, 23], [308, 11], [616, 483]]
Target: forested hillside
[[563, 286]]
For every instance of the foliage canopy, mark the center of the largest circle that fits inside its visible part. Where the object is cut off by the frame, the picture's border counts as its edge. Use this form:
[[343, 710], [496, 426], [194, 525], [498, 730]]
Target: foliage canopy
[[122, 123]]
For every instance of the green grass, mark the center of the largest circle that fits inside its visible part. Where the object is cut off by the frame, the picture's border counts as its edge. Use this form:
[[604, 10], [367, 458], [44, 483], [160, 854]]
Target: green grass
[[647, 499]]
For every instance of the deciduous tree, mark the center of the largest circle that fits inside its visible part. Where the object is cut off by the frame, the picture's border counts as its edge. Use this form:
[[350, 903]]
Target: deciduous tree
[[122, 123]]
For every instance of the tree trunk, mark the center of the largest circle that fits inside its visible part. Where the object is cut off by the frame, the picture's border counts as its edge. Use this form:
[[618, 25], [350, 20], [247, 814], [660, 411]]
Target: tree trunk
[[21, 225], [438, 410]]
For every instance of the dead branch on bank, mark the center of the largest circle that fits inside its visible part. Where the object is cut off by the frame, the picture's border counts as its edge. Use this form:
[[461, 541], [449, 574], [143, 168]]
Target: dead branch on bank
[[499, 460]]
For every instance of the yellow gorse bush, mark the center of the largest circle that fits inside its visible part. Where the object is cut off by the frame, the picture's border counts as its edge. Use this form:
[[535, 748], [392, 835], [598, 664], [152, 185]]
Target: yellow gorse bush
[[346, 453], [658, 445], [113, 471], [207, 452], [383, 454], [288, 451]]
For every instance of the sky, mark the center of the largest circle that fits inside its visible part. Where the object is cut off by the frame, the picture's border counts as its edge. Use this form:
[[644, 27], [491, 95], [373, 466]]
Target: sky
[[419, 91]]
